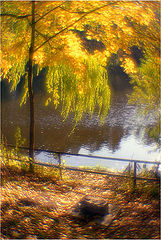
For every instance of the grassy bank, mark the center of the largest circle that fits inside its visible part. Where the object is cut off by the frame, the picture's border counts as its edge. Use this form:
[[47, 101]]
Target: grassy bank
[[35, 206]]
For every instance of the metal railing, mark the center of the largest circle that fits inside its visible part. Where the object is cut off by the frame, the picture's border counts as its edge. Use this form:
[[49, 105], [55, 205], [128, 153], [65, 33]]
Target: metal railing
[[132, 173]]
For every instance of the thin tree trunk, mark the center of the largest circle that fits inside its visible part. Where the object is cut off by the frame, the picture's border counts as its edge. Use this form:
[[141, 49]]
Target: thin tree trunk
[[30, 87]]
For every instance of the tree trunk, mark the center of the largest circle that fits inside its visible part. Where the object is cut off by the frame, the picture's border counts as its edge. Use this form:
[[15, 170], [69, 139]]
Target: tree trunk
[[30, 87]]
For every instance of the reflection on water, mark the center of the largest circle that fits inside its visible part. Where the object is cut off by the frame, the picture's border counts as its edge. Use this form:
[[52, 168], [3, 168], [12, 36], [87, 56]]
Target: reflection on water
[[122, 135]]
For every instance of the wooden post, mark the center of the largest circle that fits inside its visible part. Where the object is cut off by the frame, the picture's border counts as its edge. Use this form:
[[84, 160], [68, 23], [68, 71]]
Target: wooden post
[[60, 169], [135, 172]]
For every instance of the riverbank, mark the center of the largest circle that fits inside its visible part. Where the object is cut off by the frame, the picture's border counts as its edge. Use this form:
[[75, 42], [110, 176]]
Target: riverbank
[[36, 206]]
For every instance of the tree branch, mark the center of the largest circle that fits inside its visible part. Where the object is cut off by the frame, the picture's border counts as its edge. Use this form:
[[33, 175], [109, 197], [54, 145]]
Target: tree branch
[[79, 12], [14, 15], [70, 25], [44, 36], [29, 15], [49, 12]]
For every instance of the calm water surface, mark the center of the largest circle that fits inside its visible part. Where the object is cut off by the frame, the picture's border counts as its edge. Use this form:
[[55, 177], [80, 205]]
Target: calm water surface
[[122, 135]]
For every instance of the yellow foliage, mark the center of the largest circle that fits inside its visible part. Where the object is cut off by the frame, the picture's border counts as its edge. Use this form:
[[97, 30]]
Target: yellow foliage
[[129, 65], [73, 47], [39, 57], [62, 30]]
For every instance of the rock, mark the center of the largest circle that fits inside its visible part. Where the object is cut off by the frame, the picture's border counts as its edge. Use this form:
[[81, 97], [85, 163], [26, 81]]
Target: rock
[[108, 218], [91, 207], [94, 209]]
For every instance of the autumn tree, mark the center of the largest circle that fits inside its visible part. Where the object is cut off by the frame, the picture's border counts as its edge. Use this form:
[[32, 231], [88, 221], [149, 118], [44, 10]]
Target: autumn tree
[[145, 77], [54, 35]]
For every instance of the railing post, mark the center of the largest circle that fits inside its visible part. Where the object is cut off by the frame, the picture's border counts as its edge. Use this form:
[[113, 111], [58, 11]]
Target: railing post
[[60, 169], [157, 171], [7, 157], [135, 173]]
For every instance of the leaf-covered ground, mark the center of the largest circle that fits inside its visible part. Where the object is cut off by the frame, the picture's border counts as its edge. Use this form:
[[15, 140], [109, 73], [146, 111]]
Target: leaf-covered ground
[[37, 207]]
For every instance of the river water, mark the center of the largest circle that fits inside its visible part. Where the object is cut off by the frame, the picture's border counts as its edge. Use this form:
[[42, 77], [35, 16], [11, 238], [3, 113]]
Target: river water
[[122, 135]]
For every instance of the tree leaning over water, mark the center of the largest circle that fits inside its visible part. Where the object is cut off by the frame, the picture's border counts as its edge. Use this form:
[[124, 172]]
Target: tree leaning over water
[[58, 36]]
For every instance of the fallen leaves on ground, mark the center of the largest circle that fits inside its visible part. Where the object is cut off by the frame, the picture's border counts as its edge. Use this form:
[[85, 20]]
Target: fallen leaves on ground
[[33, 208]]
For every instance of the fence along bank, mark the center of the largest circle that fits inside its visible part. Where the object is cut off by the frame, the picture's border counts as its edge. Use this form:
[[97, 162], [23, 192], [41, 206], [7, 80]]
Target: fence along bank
[[130, 172]]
